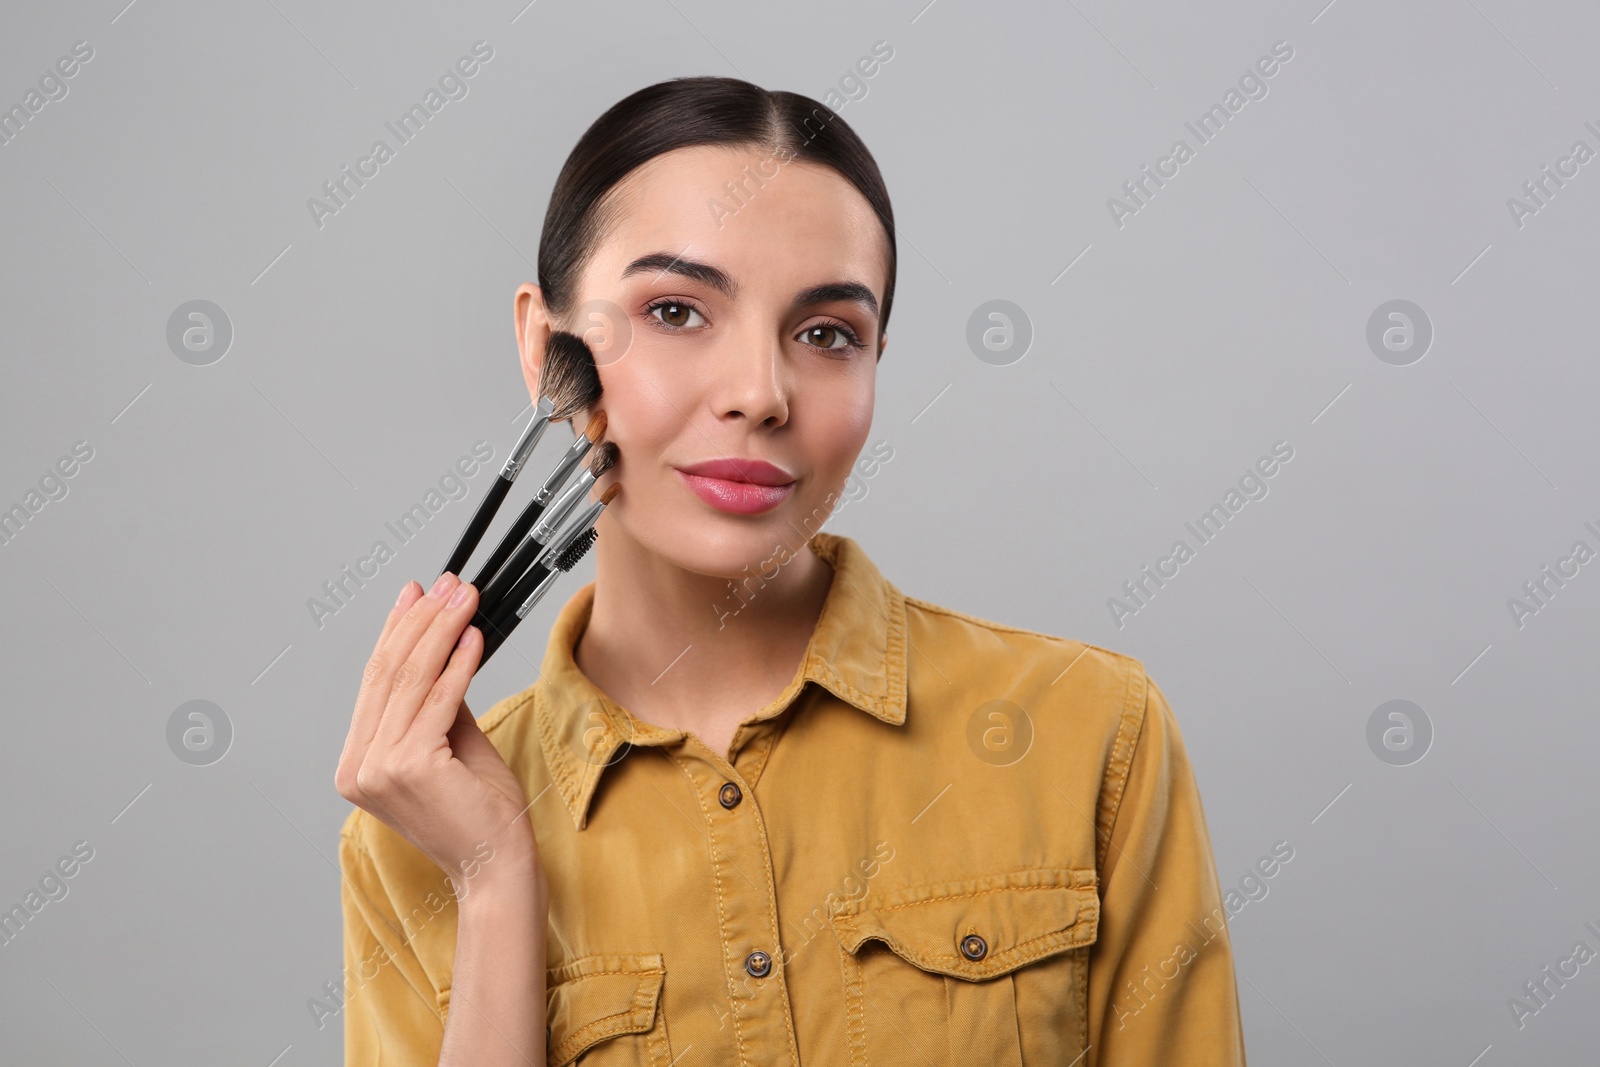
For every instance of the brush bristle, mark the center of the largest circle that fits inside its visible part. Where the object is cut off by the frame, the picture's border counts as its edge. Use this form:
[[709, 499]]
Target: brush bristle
[[604, 457], [575, 551], [611, 493], [568, 375], [596, 428]]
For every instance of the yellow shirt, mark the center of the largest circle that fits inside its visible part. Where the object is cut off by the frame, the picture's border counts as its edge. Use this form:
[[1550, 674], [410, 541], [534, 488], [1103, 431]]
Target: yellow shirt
[[946, 842]]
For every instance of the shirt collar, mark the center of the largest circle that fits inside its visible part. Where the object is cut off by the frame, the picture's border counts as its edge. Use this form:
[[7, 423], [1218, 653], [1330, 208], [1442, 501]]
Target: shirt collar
[[857, 652]]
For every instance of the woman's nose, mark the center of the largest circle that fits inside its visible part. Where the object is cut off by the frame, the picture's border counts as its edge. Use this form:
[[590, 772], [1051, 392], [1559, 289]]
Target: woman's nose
[[752, 382]]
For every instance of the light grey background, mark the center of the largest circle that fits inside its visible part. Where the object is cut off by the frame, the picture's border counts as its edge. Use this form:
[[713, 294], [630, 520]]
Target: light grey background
[[1229, 313]]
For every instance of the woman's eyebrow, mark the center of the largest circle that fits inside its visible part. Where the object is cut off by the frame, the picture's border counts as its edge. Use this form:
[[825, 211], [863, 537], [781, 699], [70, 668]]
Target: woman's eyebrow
[[718, 279], [667, 263], [854, 292]]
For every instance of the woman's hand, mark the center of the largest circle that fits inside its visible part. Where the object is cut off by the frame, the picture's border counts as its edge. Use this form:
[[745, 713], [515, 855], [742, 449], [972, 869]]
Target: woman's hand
[[416, 758]]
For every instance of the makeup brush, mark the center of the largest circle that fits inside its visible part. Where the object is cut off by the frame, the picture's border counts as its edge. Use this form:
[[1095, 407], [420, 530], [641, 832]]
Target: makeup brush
[[530, 514], [571, 546], [505, 612], [568, 383], [492, 597], [568, 560]]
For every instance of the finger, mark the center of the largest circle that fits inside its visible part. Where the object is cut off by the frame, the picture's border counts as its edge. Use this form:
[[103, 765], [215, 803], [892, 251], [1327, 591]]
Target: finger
[[415, 678], [440, 710], [363, 721], [387, 661], [410, 593]]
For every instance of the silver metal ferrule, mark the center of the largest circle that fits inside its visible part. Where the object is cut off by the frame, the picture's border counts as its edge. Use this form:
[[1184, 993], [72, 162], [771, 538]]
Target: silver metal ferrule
[[537, 594], [556, 512], [530, 437], [553, 551], [563, 469], [586, 518]]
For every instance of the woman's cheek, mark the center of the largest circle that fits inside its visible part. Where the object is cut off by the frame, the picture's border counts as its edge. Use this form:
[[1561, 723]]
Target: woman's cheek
[[644, 413], [849, 420]]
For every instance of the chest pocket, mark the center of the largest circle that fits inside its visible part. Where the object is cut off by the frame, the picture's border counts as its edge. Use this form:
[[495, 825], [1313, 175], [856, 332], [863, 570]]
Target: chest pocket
[[605, 1011], [990, 970]]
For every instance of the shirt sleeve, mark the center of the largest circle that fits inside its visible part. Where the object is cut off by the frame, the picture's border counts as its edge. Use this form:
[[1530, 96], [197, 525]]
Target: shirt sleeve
[[1161, 976], [389, 1004]]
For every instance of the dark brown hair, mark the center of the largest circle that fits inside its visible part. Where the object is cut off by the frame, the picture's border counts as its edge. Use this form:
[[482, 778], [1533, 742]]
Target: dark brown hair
[[680, 113]]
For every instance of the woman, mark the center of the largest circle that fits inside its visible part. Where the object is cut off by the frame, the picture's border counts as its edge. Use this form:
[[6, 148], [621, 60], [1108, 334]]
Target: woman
[[760, 806]]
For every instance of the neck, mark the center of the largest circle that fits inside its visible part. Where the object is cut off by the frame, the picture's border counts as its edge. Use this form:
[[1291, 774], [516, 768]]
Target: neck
[[680, 649]]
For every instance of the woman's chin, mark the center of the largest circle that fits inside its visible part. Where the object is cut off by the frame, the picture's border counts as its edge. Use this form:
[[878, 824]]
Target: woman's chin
[[723, 550]]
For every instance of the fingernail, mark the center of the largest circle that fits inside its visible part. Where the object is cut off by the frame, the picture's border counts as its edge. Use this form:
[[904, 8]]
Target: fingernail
[[402, 595], [459, 596], [444, 583]]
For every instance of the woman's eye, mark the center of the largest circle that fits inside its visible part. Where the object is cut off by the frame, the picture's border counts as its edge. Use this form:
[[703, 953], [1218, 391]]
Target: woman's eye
[[826, 336], [673, 313]]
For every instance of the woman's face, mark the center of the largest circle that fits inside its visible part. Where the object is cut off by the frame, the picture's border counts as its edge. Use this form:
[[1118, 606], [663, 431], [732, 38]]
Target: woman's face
[[740, 389]]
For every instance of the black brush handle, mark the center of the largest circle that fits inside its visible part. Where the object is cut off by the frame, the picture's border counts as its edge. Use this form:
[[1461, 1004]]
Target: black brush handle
[[503, 613], [492, 596], [505, 617], [480, 522], [495, 634], [508, 544], [493, 637]]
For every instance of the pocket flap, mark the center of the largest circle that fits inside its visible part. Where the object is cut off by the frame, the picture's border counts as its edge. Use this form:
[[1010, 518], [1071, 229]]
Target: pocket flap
[[1020, 916], [593, 998]]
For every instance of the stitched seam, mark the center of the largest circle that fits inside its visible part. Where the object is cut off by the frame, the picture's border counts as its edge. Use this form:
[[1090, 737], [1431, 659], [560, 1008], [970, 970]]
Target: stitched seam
[[950, 1020], [583, 1033], [843, 688], [827, 547], [763, 747], [935, 962], [976, 893], [1079, 878], [636, 1018], [772, 913], [1129, 728], [772, 918], [895, 686], [507, 708], [561, 770], [1001, 627], [855, 1009], [716, 881], [658, 1041], [596, 974], [1081, 975]]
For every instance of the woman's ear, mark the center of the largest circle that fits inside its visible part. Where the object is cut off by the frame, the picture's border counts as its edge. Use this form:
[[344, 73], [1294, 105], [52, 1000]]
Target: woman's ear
[[533, 331]]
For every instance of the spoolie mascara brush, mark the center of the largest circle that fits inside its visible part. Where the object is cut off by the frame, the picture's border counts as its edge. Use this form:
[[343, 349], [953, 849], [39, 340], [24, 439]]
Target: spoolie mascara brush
[[565, 551], [568, 383]]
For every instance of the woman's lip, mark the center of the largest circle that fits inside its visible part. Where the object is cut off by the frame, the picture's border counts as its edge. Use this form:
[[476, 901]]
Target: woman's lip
[[738, 498], [735, 469]]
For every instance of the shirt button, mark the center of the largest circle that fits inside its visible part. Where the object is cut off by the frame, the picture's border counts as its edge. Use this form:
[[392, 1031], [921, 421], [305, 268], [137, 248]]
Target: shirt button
[[729, 795], [758, 963], [974, 947]]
